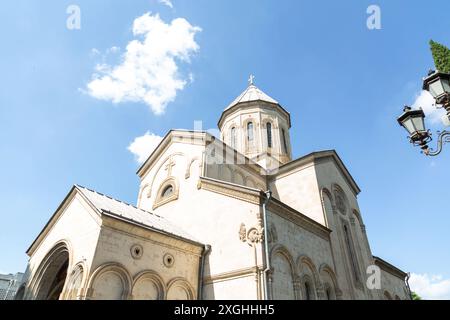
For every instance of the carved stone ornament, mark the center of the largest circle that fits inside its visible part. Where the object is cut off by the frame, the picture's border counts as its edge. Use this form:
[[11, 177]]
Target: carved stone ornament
[[256, 235], [243, 233]]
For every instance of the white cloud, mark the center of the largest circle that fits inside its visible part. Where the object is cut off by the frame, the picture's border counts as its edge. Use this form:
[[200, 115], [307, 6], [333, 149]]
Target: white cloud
[[149, 70], [94, 52], [144, 145], [167, 3], [432, 287], [113, 49], [425, 101]]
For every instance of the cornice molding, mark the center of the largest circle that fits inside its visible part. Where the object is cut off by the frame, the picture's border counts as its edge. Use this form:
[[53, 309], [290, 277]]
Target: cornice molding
[[231, 275], [231, 190], [283, 210]]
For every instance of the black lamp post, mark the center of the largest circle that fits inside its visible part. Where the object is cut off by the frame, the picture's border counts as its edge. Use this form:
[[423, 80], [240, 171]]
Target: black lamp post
[[438, 84]]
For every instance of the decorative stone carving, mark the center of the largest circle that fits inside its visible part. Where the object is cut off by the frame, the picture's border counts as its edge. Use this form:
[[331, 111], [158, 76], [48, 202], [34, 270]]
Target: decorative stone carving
[[256, 235], [243, 233], [253, 236]]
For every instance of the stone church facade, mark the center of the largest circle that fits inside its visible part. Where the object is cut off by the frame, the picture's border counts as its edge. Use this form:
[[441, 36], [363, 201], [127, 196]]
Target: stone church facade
[[228, 218]]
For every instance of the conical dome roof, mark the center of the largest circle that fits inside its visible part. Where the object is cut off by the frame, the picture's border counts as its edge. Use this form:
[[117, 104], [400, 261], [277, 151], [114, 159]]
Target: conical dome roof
[[252, 93]]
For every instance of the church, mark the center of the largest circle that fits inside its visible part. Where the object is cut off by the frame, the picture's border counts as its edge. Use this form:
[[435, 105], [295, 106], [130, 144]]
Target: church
[[235, 218]]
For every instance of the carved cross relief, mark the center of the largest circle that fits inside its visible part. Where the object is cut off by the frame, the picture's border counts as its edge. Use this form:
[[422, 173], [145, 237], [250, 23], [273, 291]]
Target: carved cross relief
[[170, 164]]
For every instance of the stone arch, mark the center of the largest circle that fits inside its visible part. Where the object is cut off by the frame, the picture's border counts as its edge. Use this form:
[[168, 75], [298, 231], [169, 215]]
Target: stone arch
[[357, 215], [187, 175], [307, 287], [142, 192], [148, 285], [329, 281], [50, 278], [76, 281], [160, 199], [283, 274], [307, 267], [327, 206], [226, 134], [246, 133], [265, 122], [179, 289], [110, 281]]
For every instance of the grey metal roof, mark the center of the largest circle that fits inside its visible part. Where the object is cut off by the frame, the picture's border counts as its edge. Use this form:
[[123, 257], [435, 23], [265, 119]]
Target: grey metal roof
[[252, 93], [109, 206]]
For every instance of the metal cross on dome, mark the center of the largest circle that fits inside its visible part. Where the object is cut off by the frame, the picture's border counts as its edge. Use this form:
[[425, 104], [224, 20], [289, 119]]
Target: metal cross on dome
[[251, 80]]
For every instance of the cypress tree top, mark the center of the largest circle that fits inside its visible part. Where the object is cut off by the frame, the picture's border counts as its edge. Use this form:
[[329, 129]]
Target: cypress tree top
[[441, 56]]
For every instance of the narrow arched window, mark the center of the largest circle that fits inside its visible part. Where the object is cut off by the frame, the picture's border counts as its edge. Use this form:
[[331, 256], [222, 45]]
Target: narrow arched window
[[351, 253], [307, 291], [328, 293], [269, 134], [233, 137], [250, 132], [285, 148]]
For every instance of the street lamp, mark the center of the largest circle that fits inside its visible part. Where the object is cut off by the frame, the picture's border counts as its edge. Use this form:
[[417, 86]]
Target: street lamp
[[438, 85], [414, 122]]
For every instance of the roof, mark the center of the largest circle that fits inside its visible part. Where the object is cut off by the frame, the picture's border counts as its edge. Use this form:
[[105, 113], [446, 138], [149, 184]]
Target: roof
[[116, 208], [252, 93], [317, 155], [389, 267], [107, 206]]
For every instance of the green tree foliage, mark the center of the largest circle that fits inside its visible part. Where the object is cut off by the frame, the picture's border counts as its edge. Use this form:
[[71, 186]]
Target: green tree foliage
[[415, 296], [441, 56]]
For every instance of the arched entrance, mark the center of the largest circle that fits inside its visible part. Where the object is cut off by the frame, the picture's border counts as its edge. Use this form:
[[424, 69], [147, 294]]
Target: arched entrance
[[52, 273]]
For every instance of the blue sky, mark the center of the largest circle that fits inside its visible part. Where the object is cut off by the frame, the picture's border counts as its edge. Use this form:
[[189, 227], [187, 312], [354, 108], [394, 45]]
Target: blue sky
[[343, 84]]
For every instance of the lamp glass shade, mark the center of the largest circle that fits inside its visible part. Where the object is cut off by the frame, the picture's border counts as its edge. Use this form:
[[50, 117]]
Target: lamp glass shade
[[438, 84], [436, 88], [413, 121], [408, 125], [418, 123], [446, 85]]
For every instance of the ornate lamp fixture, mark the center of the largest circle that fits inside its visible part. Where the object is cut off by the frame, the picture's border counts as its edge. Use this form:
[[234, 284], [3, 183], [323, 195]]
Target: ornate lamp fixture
[[438, 85]]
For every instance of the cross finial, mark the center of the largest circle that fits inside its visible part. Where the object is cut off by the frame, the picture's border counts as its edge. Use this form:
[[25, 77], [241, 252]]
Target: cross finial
[[251, 79]]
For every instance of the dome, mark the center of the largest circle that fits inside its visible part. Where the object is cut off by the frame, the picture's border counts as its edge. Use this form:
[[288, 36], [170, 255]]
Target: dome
[[252, 93]]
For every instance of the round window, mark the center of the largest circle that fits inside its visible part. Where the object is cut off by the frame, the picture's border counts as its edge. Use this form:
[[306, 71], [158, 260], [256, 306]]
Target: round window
[[168, 260], [136, 251]]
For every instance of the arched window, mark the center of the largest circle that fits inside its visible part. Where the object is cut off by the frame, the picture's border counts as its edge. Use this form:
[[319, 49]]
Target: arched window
[[285, 148], [167, 191], [250, 132], [328, 293], [351, 253], [308, 293], [269, 134], [233, 137]]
